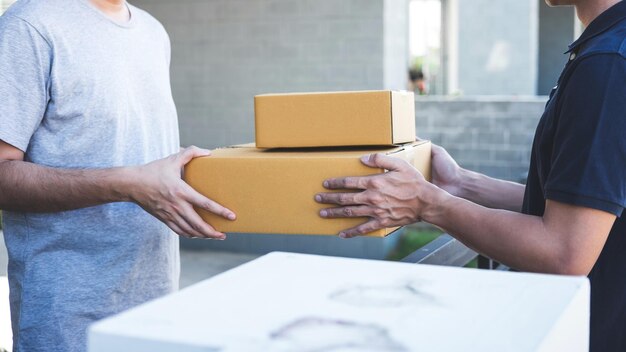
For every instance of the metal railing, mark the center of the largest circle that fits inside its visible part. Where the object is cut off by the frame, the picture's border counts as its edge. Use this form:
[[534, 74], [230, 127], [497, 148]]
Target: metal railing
[[448, 251]]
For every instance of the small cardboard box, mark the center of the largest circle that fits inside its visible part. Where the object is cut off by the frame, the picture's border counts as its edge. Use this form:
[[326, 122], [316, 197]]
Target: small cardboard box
[[334, 119], [272, 191]]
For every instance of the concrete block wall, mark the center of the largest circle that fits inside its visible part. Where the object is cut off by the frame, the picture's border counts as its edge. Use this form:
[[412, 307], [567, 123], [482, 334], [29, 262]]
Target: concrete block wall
[[491, 135], [226, 51]]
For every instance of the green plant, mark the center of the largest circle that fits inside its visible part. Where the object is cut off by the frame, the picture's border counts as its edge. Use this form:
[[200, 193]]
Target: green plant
[[415, 238], [429, 64], [412, 240]]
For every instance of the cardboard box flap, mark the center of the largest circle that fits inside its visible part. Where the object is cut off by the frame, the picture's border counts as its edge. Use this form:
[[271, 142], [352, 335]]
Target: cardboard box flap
[[347, 92], [403, 116], [250, 151]]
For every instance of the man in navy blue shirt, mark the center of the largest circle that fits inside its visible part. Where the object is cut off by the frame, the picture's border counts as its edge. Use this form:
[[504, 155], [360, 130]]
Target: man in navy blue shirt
[[567, 219]]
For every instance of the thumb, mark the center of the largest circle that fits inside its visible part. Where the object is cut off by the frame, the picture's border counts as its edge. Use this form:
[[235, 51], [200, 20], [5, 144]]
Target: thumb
[[437, 150], [187, 154], [382, 161]]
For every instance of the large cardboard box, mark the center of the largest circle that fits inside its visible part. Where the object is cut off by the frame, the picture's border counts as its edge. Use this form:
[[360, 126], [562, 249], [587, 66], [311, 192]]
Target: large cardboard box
[[272, 191], [334, 119]]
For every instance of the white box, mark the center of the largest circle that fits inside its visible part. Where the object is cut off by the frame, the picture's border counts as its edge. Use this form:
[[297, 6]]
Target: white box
[[297, 302]]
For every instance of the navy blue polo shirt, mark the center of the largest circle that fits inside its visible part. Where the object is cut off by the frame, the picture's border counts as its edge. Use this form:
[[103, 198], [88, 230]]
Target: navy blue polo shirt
[[579, 158]]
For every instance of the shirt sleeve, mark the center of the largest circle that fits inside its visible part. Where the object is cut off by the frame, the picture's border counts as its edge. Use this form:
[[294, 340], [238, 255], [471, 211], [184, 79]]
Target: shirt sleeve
[[589, 150], [25, 62]]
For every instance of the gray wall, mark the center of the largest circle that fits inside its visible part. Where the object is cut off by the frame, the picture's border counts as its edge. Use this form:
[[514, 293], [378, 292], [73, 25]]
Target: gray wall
[[556, 32], [491, 135], [491, 46], [226, 51]]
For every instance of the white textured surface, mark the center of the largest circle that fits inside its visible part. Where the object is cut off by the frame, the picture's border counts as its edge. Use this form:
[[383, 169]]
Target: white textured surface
[[295, 302], [6, 338]]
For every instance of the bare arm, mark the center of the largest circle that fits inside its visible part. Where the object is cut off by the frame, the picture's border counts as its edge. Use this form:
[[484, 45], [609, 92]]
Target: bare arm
[[475, 187], [33, 188], [566, 240], [156, 187]]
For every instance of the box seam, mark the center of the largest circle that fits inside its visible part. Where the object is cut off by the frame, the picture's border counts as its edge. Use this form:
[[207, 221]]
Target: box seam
[[391, 115]]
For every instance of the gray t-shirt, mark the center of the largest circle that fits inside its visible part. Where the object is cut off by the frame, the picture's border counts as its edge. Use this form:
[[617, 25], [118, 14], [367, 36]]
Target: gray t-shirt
[[78, 90]]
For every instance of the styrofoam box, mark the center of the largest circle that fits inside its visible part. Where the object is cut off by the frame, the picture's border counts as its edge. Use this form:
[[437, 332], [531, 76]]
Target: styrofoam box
[[297, 302]]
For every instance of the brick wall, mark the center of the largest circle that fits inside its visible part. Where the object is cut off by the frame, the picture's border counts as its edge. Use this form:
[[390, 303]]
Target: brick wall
[[226, 51], [491, 135]]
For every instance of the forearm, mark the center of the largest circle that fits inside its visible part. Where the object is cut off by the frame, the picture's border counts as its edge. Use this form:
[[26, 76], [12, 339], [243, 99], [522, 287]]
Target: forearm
[[491, 192], [33, 188], [566, 239], [520, 241]]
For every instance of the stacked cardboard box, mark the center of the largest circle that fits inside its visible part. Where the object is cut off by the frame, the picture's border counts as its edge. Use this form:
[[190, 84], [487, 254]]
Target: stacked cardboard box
[[301, 140], [382, 118]]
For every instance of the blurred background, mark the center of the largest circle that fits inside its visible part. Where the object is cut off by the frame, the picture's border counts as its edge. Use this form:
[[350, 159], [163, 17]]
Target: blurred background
[[481, 71], [481, 68]]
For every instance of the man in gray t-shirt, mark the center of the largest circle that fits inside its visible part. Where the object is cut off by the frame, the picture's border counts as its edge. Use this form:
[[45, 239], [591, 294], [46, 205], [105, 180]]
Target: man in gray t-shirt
[[87, 123]]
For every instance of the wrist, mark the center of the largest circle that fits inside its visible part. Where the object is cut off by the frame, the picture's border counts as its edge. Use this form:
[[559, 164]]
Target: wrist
[[434, 201], [465, 180], [124, 184]]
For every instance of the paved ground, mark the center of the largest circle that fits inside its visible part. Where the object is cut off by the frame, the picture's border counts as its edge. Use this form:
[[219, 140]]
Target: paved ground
[[195, 266], [3, 256], [198, 265]]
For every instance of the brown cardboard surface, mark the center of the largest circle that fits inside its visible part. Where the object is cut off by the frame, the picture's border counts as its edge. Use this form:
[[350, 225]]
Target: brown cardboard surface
[[272, 191], [334, 119]]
